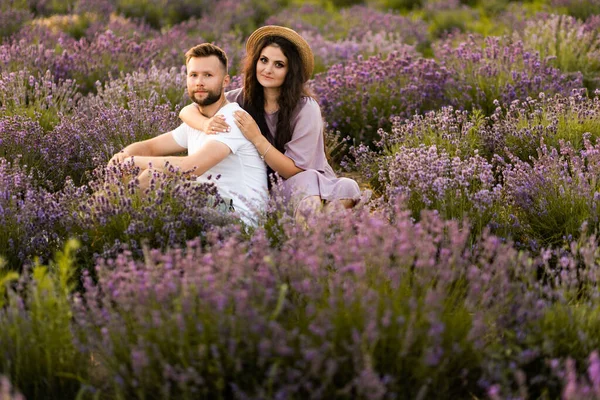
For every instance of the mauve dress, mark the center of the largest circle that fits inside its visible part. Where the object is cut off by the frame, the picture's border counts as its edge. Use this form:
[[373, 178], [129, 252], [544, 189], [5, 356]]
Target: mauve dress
[[306, 149]]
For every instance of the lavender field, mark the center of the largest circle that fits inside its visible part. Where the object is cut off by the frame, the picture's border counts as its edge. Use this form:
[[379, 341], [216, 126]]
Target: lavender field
[[472, 272]]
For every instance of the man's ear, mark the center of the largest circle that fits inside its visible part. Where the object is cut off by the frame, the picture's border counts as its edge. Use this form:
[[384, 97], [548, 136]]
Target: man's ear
[[226, 81]]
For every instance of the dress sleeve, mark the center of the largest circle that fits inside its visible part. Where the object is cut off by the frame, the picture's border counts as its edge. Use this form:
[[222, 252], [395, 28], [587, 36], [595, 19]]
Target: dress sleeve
[[306, 148], [234, 96]]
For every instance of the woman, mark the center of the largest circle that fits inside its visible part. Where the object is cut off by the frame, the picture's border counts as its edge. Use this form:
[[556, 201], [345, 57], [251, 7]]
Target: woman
[[282, 120]]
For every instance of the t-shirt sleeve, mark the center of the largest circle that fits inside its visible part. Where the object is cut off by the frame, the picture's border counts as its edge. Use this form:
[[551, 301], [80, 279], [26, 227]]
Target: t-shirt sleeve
[[234, 139], [180, 134], [306, 148]]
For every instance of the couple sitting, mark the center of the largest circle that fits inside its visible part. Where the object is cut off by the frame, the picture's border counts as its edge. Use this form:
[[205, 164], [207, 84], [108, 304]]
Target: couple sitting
[[272, 120]]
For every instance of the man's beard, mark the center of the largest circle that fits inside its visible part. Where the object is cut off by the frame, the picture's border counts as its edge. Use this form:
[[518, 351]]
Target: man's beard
[[211, 98]]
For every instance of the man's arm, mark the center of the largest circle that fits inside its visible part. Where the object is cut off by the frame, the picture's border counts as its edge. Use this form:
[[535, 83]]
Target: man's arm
[[161, 145], [209, 155]]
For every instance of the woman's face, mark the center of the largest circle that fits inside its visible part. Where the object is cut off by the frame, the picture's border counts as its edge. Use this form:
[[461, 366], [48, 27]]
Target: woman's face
[[271, 67]]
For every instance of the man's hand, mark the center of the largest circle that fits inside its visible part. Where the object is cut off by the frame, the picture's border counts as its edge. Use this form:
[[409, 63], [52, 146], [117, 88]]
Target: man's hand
[[119, 158]]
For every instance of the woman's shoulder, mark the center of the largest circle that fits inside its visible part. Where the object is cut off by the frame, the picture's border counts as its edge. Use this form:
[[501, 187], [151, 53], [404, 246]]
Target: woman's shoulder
[[308, 106], [235, 95]]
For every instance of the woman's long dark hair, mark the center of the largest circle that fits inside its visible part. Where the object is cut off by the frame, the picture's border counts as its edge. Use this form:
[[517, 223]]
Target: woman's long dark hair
[[292, 90]]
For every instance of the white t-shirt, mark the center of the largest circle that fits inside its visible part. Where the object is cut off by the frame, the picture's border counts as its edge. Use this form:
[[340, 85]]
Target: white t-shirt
[[242, 175]]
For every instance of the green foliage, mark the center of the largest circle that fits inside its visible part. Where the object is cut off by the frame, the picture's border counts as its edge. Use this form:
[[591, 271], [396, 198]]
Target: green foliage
[[39, 354], [450, 20], [159, 13], [565, 325], [51, 7], [402, 5], [580, 9]]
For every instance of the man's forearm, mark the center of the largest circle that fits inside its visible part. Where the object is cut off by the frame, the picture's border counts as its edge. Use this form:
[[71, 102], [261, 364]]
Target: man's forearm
[[137, 149], [159, 163]]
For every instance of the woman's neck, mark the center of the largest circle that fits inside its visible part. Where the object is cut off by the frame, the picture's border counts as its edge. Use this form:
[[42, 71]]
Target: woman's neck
[[271, 99]]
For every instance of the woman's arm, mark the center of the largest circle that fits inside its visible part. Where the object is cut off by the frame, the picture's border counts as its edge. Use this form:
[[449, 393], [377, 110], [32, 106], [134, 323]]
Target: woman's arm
[[275, 159], [192, 116]]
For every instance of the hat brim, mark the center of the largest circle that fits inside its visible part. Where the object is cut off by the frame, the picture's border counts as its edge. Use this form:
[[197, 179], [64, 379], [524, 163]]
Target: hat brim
[[306, 54]]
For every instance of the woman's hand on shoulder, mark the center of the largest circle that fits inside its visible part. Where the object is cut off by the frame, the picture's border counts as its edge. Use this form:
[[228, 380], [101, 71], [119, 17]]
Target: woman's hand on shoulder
[[247, 125], [216, 124], [192, 116]]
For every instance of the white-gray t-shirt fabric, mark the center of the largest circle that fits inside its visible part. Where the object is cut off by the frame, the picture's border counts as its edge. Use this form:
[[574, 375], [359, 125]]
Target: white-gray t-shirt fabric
[[242, 175]]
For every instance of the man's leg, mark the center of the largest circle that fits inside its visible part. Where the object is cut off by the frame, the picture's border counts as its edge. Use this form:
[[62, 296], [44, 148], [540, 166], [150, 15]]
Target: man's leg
[[144, 178]]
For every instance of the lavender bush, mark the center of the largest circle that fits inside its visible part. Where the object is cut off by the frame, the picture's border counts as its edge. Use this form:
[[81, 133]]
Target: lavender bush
[[557, 195], [24, 140], [319, 321], [338, 37], [11, 20], [577, 388], [407, 296], [37, 97], [30, 217], [116, 212], [359, 98], [156, 86], [569, 45], [458, 133], [88, 138], [328, 53], [499, 71], [431, 179], [28, 52], [521, 128]]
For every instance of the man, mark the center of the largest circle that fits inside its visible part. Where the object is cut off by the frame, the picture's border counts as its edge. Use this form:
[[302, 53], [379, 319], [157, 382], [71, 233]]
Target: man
[[229, 158]]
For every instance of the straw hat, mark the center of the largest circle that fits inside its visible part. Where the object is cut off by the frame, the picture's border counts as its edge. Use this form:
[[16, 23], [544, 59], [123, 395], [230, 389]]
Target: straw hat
[[306, 54]]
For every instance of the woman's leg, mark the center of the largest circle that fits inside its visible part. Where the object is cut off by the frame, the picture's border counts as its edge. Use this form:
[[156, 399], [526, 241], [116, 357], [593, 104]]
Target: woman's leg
[[338, 205], [306, 206]]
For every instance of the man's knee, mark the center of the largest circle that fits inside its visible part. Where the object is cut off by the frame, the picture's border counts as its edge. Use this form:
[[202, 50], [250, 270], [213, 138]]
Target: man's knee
[[144, 178]]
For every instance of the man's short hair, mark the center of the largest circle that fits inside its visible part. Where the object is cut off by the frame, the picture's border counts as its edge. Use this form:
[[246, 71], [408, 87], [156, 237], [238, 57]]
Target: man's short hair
[[206, 50]]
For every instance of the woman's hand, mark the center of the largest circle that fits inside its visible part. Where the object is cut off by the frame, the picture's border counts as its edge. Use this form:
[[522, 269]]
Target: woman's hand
[[216, 124], [192, 116], [248, 126]]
